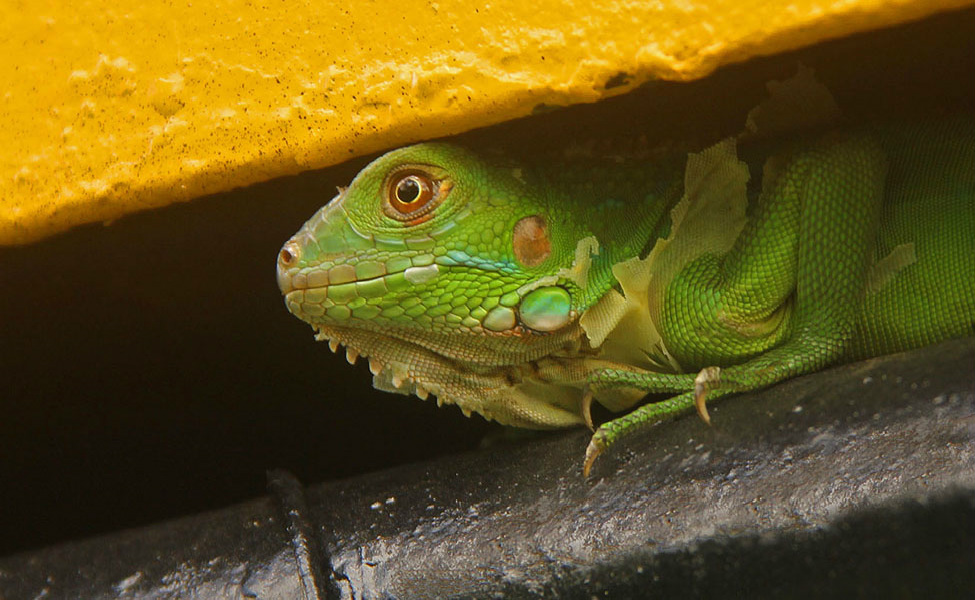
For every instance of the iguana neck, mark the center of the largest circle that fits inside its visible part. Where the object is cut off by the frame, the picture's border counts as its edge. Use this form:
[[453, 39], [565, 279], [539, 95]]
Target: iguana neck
[[625, 207]]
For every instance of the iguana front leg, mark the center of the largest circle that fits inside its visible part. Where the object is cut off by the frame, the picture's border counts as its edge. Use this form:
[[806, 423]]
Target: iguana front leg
[[783, 301]]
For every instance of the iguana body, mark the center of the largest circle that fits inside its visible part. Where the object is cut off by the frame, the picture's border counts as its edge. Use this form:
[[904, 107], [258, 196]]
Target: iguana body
[[513, 289]]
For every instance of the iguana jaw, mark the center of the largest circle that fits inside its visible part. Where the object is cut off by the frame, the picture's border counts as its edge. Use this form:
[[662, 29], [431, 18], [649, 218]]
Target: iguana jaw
[[533, 387]]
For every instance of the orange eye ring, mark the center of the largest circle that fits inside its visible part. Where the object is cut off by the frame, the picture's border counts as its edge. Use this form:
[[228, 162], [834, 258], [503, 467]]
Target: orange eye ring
[[409, 192]]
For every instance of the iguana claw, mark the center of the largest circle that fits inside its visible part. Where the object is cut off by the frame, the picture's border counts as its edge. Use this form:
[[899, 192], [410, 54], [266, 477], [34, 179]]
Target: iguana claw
[[593, 450], [702, 384], [587, 408]]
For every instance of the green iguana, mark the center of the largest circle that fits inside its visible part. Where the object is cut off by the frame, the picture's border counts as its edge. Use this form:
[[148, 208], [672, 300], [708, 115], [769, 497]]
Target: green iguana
[[524, 290]]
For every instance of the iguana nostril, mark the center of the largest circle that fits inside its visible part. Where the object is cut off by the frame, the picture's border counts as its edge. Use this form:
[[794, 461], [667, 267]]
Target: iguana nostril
[[289, 255]]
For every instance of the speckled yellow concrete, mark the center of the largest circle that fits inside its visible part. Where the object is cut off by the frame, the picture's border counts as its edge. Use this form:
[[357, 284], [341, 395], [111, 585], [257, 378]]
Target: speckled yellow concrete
[[110, 107]]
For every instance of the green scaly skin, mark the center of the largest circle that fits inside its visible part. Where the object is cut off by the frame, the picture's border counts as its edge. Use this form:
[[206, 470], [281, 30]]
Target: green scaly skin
[[856, 244]]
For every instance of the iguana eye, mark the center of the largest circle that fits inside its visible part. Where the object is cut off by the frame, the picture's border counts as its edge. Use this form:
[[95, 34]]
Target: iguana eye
[[408, 193]]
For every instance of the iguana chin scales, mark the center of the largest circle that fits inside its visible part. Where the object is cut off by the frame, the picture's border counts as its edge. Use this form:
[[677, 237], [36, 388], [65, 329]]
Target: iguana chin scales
[[524, 290]]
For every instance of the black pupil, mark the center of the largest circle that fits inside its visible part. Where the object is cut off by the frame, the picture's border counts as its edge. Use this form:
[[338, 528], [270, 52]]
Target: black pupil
[[408, 190]]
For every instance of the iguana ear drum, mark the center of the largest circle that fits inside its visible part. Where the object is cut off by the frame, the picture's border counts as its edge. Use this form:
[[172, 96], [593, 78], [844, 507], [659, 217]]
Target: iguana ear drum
[[530, 241]]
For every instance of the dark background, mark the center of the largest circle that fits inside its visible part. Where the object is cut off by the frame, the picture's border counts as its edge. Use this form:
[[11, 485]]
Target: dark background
[[149, 368]]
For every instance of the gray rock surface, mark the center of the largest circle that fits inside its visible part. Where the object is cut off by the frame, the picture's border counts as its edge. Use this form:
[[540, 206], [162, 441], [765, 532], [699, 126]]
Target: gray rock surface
[[859, 480]]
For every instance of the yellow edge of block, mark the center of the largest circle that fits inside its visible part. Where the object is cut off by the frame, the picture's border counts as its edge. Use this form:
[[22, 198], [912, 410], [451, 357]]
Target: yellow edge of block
[[114, 107]]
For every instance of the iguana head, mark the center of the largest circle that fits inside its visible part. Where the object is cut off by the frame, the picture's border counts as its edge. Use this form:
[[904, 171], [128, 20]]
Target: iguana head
[[456, 276]]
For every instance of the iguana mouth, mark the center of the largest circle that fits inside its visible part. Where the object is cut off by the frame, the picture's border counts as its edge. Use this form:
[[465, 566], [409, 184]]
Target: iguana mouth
[[413, 270], [321, 292]]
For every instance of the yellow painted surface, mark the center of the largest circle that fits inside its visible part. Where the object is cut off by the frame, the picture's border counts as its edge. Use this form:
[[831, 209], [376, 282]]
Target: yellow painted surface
[[110, 107]]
